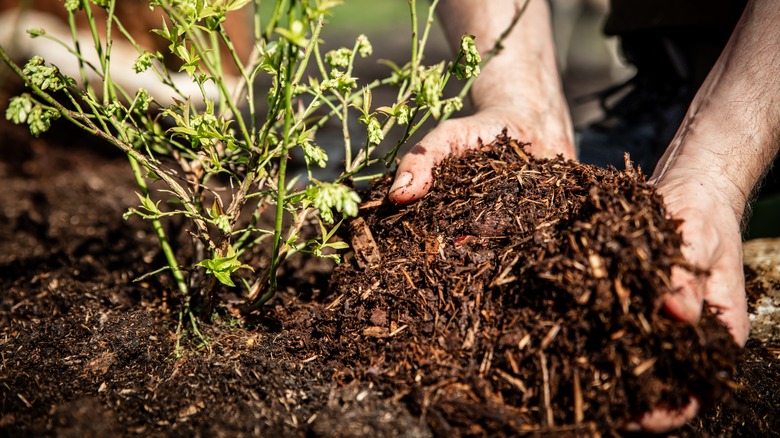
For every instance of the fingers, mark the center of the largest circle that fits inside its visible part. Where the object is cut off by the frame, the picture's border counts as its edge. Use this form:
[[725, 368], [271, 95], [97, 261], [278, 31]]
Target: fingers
[[730, 303], [663, 419], [414, 176], [700, 248], [719, 251], [725, 292], [685, 303]]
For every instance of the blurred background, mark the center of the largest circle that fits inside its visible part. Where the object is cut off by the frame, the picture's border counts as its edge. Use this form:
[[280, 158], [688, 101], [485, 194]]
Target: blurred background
[[588, 60]]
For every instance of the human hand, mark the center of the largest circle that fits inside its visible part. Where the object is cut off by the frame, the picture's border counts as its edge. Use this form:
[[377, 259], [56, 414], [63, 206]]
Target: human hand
[[712, 242], [711, 232], [519, 90], [723, 148], [414, 176]]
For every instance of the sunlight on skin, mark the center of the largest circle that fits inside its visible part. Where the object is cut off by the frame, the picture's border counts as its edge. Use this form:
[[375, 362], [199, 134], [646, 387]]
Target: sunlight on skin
[[527, 101], [414, 172]]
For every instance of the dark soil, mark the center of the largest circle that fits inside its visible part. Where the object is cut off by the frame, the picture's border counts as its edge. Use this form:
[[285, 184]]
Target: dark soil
[[476, 320]]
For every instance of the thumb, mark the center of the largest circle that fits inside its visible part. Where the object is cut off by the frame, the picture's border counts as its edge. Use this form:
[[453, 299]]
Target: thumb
[[414, 176]]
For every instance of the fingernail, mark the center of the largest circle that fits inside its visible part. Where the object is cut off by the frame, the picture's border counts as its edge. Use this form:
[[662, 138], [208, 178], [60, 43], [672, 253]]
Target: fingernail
[[402, 180]]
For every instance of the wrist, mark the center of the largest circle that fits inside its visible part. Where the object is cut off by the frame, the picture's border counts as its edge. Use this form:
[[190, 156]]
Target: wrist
[[521, 83], [717, 149], [731, 132], [691, 184]]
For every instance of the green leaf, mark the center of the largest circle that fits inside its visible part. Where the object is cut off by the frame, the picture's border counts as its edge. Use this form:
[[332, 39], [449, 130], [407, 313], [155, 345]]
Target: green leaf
[[337, 245], [236, 4], [149, 205], [224, 278], [296, 34], [223, 267], [327, 196], [184, 131]]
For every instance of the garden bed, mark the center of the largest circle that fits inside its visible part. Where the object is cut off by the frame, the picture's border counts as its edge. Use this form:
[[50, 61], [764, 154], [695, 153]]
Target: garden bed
[[442, 342]]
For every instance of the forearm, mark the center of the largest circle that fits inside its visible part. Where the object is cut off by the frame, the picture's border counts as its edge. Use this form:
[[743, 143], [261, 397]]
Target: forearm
[[523, 77], [731, 132]]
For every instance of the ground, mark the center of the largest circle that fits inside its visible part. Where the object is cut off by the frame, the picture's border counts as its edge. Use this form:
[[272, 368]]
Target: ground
[[86, 351]]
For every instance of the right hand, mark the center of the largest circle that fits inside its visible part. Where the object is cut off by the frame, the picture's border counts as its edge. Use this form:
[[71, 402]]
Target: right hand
[[414, 176]]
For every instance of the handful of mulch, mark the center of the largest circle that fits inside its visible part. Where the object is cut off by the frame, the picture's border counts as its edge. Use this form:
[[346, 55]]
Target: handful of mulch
[[524, 295]]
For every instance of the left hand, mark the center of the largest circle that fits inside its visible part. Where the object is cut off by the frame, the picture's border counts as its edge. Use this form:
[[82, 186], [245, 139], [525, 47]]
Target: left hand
[[547, 135]]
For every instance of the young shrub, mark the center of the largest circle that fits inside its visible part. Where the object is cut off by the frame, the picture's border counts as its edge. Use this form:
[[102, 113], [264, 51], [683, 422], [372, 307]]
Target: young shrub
[[213, 128]]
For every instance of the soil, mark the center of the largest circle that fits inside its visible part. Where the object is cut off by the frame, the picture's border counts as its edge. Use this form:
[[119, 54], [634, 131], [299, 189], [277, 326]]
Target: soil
[[466, 316]]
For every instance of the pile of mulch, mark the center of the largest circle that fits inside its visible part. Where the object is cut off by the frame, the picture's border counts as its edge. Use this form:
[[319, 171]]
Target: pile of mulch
[[525, 295], [87, 351]]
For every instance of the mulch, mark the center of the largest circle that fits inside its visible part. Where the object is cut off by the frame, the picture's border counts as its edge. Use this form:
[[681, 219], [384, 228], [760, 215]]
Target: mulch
[[521, 296]]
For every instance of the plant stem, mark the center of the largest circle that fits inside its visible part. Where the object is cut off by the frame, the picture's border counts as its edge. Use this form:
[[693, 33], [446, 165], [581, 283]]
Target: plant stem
[[165, 245], [345, 132], [415, 58], [426, 32], [281, 187], [77, 48], [256, 22], [315, 35], [109, 94], [278, 8]]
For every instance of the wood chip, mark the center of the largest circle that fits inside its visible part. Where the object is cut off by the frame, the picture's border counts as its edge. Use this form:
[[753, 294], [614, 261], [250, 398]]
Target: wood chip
[[366, 250]]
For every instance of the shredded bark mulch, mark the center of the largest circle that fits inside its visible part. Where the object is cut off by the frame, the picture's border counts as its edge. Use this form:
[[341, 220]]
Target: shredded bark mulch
[[520, 296], [525, 294]]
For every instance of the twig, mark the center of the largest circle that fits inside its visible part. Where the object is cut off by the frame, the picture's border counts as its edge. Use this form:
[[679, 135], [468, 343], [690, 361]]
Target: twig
[[548, 414], [579, 416]]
